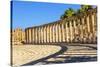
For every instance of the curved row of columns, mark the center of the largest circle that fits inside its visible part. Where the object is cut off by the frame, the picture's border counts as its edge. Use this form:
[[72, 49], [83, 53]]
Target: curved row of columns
[[82, 30]]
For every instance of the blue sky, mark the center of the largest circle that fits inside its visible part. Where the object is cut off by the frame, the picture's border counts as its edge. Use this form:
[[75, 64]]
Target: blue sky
[[27, 14]]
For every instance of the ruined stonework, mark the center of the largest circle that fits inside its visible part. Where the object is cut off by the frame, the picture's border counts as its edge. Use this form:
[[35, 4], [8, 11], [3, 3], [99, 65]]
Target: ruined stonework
[[18, 36]]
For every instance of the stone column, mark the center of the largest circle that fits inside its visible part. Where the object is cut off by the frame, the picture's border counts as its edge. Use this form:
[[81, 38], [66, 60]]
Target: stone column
[[74, 30], [88, 28], [26, 35], [42, 34], [39, 35], [29, 35], [53, 33], [82, 33], [33, 35], [85, 30], [48, 34], [67, 36], [74, 26], [63, 32], [59, 33], [36, 35], [93, 27], [71, 31], [81, 29]]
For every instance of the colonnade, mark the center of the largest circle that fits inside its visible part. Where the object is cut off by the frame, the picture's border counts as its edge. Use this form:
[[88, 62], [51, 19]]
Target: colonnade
[[76, 29]]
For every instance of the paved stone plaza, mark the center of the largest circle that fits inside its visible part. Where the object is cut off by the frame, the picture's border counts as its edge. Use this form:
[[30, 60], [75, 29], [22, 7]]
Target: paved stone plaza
[[47, 54], [25, 53]]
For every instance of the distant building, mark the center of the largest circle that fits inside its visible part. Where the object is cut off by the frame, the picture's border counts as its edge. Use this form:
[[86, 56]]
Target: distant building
[[18, 36]]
